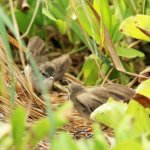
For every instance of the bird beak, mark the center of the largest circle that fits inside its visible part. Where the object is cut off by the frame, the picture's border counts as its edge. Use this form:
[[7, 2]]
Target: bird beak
[[51, 78]]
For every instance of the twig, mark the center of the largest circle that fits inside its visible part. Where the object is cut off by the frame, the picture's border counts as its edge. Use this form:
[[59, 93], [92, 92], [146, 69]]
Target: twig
[[15, 43], [108, 74], [72, 78], [32, 19], [134, 43], [60, 87], [17, 32]]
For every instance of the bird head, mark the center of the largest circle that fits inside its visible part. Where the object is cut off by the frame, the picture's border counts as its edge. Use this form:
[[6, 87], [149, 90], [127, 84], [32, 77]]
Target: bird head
[[48, 70], [75, 89]]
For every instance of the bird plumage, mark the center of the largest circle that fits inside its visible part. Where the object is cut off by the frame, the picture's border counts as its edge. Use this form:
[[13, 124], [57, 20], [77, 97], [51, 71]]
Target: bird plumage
[[86, 100], [51, 70]]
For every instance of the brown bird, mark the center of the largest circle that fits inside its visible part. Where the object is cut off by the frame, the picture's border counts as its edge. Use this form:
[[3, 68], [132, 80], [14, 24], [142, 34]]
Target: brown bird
[[86, 100], [51, 70], [47, 72]]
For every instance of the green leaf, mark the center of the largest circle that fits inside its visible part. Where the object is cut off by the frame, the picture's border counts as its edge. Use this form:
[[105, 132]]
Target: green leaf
[[141, 121], [62, 113], [125, 130], [90, 70], [144, 88], [143, 21], [146, 141], [88, 21], [62, 26], [58, 8], [103, 9], [110, 113], [48, 14], [128, 145], [65, 142], [18, 120], [120, 9], [43, 126], [38, 131], [23, 20], [100, 141], [131, 25], [128, 52]]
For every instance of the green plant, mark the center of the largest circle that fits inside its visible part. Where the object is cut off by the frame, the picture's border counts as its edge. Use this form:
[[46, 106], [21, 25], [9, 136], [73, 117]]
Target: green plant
[[89, 20], [20, 135], [130, 122]]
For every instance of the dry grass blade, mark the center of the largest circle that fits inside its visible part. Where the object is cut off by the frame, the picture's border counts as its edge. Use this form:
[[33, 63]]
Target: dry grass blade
[[24, 95]]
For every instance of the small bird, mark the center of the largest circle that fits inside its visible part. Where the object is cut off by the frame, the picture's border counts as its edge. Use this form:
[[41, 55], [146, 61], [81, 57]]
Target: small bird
[[51, 70], [86, 100], [47, 76]]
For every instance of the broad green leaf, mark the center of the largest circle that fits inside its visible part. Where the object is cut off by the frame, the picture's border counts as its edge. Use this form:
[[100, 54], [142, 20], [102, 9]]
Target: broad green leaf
[[128, 52], [141, 121], [115, 34], [147, 9], [86, 144], [90, 70], [43, 126], [88, 21], [99, 140], [143, 21], [38, 131], [125, 130], [65, 142], [110, 113], [62, 26], [23, 20], [124, 79], [18, 120], [146, 141], [62, 114], [144, 88], [128, 145], [130, 26], [103, 9], [58, 8], [120, 9], [48, 14]]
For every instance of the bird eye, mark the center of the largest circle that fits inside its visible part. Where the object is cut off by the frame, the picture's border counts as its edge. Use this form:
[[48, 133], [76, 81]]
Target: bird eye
[[44, 74]]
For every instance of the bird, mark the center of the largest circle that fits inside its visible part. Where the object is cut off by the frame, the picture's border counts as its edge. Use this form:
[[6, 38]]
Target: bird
[[86, 100], [51, 70], [47, 73]]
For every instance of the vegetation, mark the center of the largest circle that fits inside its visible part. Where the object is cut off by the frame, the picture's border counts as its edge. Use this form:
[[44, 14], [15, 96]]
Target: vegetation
[[114, 37]]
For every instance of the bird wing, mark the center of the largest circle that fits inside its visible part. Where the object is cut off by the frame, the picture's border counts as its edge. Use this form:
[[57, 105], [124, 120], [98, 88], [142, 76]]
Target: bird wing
[[100, 92], [119, 92], [62, 64], [36, 45], [88, 101]]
